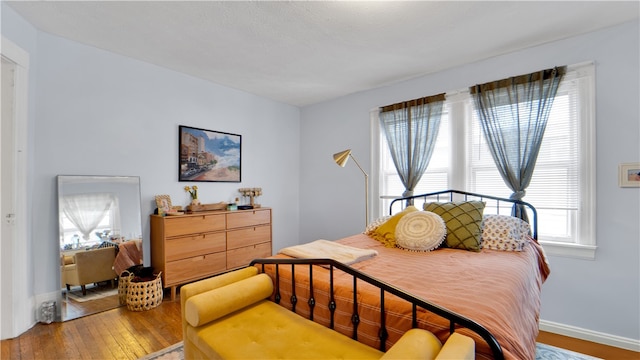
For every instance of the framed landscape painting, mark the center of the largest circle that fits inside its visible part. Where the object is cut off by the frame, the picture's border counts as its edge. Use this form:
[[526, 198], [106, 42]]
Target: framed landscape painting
[[207, 155]]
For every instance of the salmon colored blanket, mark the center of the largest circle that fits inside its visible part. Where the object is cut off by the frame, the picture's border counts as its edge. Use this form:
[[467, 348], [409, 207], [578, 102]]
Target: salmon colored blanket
[[129, 254], [499, 290]]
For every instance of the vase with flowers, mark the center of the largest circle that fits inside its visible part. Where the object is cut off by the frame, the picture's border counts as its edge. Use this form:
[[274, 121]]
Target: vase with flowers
[[193, 192]]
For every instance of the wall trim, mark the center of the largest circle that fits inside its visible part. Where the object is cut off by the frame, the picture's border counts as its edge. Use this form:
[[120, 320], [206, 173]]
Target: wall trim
[[19, 316], [590, 335]]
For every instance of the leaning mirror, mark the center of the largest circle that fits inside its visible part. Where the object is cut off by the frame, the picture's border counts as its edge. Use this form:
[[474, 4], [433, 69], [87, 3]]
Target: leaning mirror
[[100, 227]]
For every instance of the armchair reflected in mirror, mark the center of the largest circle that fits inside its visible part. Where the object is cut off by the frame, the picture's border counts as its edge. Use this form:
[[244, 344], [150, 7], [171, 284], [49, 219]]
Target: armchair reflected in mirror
[[100, 226]]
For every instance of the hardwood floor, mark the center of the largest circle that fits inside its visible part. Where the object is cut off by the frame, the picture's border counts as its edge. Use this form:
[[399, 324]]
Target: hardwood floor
[[73, 309], [113, 334], [587, 347], [124, 334]]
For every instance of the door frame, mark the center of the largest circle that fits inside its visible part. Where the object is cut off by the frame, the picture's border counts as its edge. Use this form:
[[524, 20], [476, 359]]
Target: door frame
[[19, 315]]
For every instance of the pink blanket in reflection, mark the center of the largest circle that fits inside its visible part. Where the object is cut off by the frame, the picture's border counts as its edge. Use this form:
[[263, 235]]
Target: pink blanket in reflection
[[129, 254]]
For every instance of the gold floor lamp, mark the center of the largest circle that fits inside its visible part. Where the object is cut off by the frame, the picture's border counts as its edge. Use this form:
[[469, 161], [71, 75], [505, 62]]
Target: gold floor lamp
[[341, 159]]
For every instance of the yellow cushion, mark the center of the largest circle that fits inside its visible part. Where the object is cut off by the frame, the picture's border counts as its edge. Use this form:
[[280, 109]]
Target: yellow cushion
[[269, 331], [458, 347], [213, 304], [201, 286], [385, 233], [414, 344]]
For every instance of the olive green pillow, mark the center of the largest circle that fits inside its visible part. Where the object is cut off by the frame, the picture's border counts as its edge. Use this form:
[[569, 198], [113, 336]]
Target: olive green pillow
[[464, 223]]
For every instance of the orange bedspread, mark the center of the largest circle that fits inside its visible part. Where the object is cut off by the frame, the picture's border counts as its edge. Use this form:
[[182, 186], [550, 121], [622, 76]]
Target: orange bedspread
[[499, 290]]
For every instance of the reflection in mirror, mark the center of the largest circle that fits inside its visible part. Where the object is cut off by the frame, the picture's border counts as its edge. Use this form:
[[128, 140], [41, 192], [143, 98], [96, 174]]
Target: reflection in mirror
[[100, 226]]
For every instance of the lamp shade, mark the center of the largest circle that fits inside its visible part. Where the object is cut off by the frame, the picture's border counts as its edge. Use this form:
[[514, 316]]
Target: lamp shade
[[342, 157]]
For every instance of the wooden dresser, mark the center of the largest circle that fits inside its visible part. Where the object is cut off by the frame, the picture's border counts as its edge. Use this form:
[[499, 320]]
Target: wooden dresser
[[194, 246]]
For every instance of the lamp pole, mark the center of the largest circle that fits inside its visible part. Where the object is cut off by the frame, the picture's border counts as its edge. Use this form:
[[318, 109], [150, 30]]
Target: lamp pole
[[366, 191], [341, 159]]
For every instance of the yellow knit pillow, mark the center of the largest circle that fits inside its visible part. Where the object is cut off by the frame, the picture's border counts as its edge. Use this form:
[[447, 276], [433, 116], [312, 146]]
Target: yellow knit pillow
[[386, 233], [214, 304]]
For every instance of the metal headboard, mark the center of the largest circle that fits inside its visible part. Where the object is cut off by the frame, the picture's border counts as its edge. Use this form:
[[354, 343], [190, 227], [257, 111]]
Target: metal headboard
[[450, 195]]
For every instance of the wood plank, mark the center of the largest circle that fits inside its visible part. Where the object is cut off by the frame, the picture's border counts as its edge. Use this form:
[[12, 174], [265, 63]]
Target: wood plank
[[121, 342], [75, 348], [587, 347], [123, 334]]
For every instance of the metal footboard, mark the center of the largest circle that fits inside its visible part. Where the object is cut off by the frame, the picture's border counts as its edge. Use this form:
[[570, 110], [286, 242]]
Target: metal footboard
[[455, 320]]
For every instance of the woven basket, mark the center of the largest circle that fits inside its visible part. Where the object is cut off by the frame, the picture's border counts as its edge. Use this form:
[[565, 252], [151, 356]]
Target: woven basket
[[123, 286], [144, 295]]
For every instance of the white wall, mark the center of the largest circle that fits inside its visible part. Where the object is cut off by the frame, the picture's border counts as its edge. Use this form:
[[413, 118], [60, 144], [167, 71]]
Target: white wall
[[98, 113], [600, 296]]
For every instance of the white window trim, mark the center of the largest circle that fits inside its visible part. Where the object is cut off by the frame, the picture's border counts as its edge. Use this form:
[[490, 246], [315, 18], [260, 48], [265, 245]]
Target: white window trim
[[576, 251], [374, 192], [587, 231]]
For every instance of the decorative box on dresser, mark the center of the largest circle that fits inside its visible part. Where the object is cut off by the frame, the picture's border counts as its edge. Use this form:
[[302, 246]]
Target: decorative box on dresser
[[194, 246]]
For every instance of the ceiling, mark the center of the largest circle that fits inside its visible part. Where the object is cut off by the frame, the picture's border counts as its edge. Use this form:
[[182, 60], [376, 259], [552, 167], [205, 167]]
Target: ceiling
[[303, 53]]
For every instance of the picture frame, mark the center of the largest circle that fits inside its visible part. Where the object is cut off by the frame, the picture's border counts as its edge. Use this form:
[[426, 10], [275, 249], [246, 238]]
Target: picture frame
[[629, 174], [163, 202], [208, 155]]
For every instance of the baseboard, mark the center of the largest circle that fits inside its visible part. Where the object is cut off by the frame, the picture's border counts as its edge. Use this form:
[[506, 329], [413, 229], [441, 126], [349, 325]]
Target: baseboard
[[590, 335]]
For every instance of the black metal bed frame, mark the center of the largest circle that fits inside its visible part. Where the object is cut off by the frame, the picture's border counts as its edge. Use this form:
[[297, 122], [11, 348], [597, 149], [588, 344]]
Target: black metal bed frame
[[448, 195], [455, 320]]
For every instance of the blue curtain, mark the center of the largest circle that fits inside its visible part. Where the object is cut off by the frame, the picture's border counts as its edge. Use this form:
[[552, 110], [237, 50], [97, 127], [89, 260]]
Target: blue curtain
[[411, 129], [514, 113]]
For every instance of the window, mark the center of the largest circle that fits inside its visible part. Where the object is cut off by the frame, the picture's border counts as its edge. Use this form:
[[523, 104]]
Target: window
[[562, 188], [87, 219], [73, 236]]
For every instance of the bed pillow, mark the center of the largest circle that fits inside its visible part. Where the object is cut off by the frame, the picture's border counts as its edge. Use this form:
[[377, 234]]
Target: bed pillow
[[420, 231], [385, 233], [464, 223], [375, 223], [503, 232]]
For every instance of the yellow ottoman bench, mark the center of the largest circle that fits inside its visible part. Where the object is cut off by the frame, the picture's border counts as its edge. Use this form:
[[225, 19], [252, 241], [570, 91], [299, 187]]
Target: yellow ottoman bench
[[231, 317]]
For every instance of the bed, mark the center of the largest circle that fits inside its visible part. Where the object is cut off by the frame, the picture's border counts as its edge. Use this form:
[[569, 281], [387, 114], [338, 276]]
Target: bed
[[495, 288]]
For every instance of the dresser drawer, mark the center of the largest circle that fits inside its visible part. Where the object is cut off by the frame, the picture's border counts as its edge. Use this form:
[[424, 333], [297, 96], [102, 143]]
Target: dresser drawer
[[197, 267], [242, 256], [248, 218], [248, 236], [188, 246], [185, 225]]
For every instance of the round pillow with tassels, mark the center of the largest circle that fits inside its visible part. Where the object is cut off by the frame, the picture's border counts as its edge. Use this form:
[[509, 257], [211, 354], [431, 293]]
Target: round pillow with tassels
[[420, 231]]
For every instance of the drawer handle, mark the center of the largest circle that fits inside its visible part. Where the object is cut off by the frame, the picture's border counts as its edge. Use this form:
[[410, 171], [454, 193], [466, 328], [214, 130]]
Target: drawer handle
[[197, 258]]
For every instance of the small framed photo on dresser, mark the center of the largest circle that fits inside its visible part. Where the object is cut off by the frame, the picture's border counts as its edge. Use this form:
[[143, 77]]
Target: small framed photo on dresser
[[163, 202]]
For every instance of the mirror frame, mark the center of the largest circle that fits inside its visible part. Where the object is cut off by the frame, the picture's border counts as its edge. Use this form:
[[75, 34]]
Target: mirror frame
[[63, 182]]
